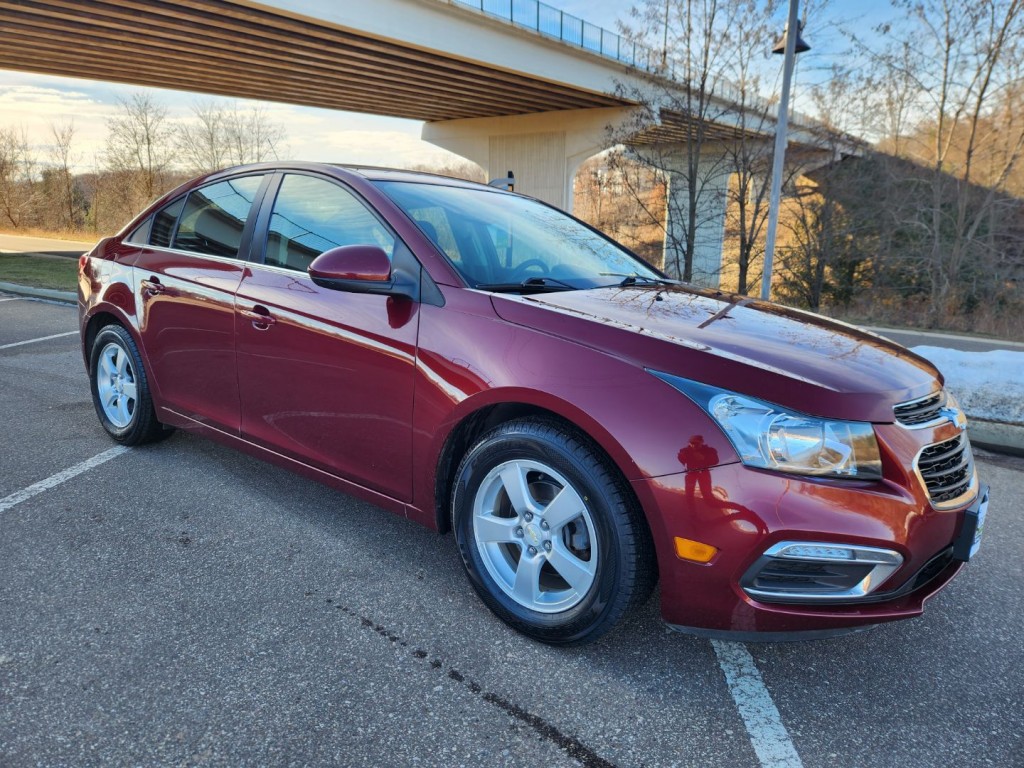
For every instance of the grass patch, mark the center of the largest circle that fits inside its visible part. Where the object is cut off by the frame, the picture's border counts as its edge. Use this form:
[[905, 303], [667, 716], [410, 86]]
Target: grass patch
[[59, 274]]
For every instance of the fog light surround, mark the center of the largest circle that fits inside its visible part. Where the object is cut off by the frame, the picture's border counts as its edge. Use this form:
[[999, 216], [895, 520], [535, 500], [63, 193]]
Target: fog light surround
[[811, 572]]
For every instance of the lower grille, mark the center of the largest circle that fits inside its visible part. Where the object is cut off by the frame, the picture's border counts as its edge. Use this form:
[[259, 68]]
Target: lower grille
[[933, 568], [947, 469]]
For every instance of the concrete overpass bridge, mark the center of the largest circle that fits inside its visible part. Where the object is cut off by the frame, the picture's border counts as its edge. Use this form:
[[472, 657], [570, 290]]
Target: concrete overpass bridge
[[508, 84]]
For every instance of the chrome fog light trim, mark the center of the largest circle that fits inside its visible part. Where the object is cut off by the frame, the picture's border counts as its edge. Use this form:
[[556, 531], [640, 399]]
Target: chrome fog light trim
[[812, 571]]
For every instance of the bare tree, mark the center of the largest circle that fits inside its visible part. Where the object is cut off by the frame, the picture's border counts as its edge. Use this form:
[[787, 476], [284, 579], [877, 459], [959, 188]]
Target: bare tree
[[625, 199], [958, 60], [63, 192], [221, 134], [139, 146], [830, 221], [252, 136], [202, 141], [16, 177], [700, 115], [457, 169]]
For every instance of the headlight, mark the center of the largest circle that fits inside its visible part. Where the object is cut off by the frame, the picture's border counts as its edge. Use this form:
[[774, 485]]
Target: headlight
[[769, 436]]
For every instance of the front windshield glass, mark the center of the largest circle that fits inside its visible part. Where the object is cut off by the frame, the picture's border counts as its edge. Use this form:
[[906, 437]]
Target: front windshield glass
[[499, 241]]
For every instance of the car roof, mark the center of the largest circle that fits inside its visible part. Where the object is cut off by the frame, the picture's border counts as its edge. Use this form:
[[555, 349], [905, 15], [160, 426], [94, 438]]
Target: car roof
[[376, 173], [368, 172]]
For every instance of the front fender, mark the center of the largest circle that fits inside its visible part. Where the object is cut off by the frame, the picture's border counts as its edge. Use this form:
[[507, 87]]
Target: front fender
[[646, 427]]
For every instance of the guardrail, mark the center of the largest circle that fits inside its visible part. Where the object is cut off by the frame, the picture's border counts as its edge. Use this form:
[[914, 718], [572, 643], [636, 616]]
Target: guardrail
[[559, 25], [556, 24]]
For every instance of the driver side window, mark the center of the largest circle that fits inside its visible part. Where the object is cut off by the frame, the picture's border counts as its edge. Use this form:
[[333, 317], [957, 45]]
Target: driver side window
[[312, 215]]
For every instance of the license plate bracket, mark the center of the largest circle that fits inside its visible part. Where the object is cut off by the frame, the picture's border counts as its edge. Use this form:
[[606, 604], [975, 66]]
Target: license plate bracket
[[967, 543]]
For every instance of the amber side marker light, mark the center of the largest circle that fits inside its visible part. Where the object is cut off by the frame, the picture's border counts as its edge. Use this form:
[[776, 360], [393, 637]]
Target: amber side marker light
[[688, 549]]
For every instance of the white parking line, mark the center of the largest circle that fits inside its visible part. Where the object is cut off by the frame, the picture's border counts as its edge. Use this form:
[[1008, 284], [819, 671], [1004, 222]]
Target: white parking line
[[42, 338], [43, 485], [767, 734]]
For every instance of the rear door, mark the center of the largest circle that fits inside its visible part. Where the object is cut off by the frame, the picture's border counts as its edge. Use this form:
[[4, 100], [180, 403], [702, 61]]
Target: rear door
[[325, 376], [185, 281]]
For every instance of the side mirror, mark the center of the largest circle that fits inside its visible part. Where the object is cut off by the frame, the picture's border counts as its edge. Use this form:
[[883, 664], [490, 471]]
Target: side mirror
[[360, 269], [356, 263]]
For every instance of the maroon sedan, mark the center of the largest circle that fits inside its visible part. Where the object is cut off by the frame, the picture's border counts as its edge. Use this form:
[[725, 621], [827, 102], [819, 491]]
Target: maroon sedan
[[481, 362]]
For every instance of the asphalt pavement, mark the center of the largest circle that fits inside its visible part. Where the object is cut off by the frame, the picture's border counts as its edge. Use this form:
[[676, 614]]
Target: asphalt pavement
[[183, 604], [44, 245]]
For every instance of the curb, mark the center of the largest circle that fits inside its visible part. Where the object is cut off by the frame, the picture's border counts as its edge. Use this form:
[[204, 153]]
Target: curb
[[1002, 437], [67, 297]]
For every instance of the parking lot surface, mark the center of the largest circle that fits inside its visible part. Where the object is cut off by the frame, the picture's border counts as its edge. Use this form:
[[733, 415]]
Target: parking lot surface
[[185, 604]]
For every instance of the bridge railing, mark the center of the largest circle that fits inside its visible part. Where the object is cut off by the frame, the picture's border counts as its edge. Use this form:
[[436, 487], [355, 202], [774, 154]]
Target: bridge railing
[[557, 24], [553, 22]]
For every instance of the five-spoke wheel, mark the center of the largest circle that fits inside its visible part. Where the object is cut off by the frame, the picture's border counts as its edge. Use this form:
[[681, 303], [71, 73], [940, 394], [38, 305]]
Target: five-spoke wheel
[[535, 535], [550, 538], [116, 385]]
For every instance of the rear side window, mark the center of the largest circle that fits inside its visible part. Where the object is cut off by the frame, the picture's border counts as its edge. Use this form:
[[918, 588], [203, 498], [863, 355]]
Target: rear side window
[[313, 215], [140, 235], [163, 224], [214, 217]]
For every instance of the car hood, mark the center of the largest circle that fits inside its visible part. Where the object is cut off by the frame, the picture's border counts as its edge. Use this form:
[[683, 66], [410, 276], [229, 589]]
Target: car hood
[[797, 359]]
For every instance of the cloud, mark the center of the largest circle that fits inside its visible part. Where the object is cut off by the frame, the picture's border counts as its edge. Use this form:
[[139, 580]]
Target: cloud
[[368, 147], [34, 102]]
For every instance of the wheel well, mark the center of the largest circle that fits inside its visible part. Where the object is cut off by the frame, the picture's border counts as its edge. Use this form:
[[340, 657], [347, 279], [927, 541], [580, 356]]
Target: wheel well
[[97, 323], [469, 430]]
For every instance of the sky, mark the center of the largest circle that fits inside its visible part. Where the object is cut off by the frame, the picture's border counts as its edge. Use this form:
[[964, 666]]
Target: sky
[[34, 102]]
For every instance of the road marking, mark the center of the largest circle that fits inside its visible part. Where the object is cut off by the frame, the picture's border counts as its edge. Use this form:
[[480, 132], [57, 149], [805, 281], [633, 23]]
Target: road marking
[[44, 338], [767, 734], [11, 298], [53, 480]]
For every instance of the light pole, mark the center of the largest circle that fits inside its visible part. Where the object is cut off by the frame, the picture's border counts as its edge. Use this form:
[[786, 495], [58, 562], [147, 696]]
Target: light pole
[[793, 45]]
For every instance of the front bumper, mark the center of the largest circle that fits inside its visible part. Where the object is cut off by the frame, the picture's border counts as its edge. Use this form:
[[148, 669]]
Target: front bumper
[[743, 512]]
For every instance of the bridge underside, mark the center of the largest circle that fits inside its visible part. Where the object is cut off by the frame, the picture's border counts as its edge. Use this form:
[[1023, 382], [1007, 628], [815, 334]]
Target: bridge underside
[[239, 50]]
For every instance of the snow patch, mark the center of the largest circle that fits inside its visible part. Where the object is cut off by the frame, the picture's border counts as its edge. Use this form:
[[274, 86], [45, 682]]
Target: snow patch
[[988, 385]]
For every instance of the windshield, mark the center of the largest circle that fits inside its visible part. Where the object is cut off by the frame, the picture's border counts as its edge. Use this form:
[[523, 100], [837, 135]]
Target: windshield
[[498, 241]]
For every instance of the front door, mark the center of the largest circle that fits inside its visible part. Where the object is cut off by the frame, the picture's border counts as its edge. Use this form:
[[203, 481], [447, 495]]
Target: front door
[[326, 376]]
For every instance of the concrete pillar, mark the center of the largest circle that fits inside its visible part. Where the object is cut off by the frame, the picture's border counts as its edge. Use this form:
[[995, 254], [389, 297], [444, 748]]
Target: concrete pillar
[[712, 186], [544, 150]]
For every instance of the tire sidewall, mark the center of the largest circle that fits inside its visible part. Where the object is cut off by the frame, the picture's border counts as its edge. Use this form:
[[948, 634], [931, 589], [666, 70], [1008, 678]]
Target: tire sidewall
[[504, 445], [114, 334]]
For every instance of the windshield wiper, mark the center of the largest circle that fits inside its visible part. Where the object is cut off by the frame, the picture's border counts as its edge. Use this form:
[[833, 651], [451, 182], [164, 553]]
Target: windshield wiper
[[531, 284], [635, 279]]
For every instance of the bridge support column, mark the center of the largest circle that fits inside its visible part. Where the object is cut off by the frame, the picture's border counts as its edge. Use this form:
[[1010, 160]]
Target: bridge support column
[[543, 150], [710, 186]]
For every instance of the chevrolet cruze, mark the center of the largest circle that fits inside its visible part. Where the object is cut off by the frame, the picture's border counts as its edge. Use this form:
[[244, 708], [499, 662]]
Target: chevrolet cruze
[[485, 364]]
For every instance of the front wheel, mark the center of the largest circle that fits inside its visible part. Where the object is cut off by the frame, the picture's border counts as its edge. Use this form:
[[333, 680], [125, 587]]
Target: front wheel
[[120, 389], [549, 537]]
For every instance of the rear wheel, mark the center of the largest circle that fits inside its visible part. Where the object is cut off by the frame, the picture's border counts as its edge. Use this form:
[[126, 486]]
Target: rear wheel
[[120, 390], [549, 537]]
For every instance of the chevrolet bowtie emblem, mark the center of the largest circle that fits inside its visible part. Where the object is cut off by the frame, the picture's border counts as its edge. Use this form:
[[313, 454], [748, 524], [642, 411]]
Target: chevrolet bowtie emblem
[[955, 415]]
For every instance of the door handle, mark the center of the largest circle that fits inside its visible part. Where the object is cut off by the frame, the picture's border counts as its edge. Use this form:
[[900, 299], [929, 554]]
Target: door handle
[[260, 317], [152, 287]]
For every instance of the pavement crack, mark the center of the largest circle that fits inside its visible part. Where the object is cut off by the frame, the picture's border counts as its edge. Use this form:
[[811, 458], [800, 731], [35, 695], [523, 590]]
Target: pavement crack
[[571, 746]]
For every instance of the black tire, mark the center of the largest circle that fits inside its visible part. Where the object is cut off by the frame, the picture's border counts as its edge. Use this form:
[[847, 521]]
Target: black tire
[[609, 538], [136, 422]]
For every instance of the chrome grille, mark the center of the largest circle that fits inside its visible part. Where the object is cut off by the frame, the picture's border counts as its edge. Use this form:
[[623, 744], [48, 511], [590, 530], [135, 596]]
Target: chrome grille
[[947, 469], [921, 411]]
